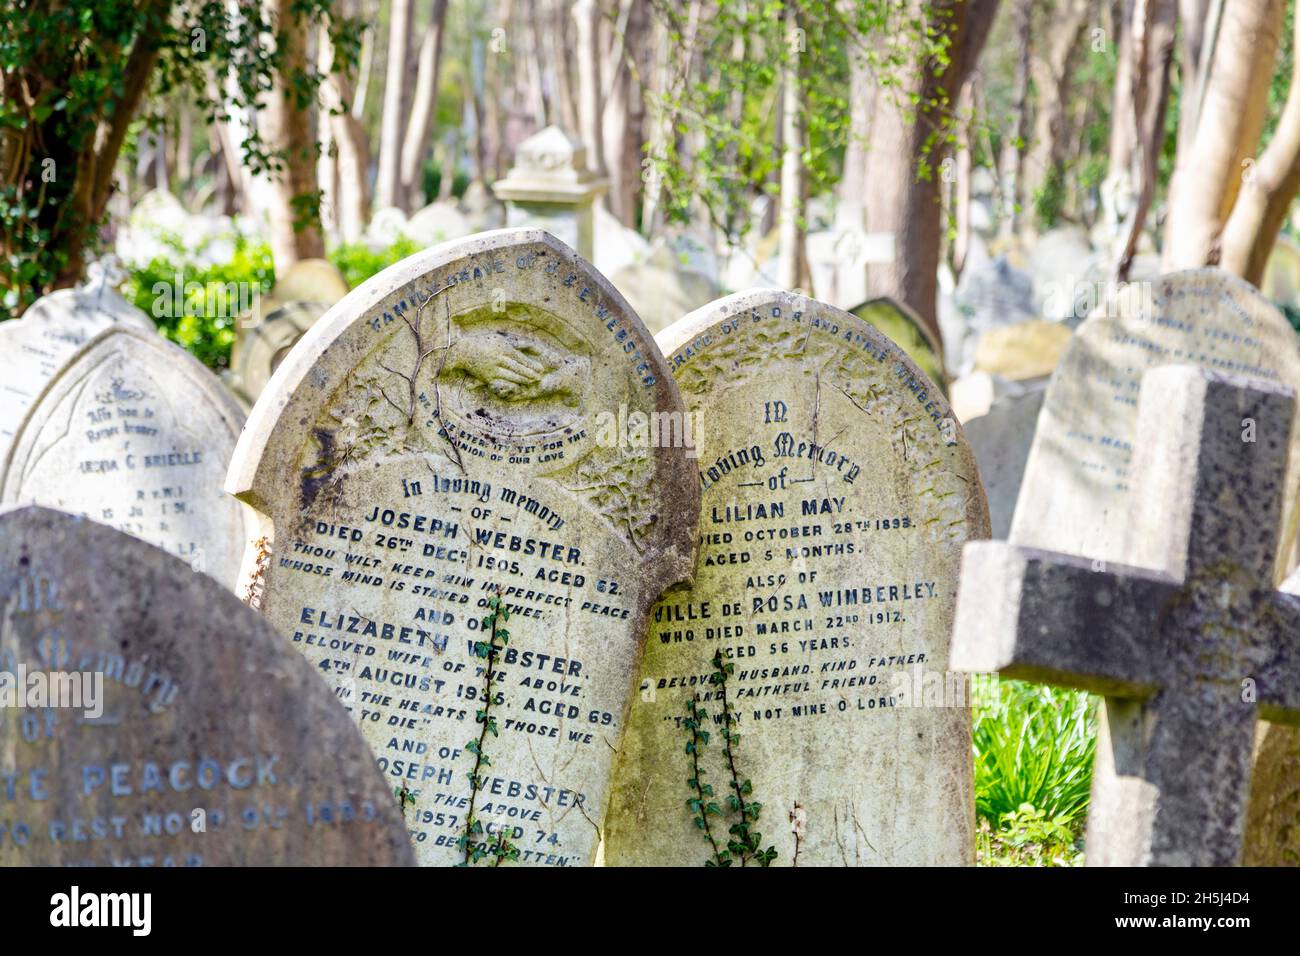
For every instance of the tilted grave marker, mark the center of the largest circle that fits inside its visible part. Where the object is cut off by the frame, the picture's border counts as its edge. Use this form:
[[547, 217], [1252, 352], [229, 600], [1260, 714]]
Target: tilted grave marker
[[194, 736], [838, 491], [468, 422]]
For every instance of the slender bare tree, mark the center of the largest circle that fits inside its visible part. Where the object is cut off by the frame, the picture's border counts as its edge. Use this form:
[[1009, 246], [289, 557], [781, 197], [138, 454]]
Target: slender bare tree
[[419, 128]]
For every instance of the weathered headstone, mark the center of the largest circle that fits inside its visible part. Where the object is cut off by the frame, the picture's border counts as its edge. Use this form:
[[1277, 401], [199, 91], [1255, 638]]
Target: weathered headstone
[[1281, 281], [35, 347], [837, 494], [1079, 474], [470, 419], [989, 295], [264, 338], [551, 187], [1191, 647], [437, 222], [904, 327], [135, 433], [1022, 351], [1001, 439], [660, 290], [195, 737], [386, 226], [264, 346]]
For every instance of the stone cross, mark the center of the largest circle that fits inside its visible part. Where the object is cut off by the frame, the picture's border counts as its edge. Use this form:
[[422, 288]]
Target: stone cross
[[1190, 649]]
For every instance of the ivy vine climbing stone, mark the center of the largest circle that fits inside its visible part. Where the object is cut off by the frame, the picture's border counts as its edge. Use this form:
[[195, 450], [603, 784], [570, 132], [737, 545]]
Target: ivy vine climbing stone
[[474, 421], [812, 648]]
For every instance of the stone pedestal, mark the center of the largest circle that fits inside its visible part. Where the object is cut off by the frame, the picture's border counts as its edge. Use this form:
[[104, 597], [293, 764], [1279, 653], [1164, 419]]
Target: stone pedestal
[[550, 187]]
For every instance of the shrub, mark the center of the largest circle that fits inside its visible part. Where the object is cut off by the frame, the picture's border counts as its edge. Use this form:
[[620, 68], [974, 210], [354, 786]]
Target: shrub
[[1034, 749], [198, 307], [358, 263]]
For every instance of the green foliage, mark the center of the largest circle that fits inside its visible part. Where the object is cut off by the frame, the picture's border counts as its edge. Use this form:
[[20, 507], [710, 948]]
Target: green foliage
[[728, 111], [1034, 745], [208, 314], [75, 75], [1027, 837], [473, 842], [745, 843], [358, 263], [1034, 748], [198, 307], [431, 180]]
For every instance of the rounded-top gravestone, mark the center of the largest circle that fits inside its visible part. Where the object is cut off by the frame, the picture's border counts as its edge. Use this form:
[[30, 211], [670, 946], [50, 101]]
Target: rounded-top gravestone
[[151, 719], [805, 669], [135, 433], [485, 420]]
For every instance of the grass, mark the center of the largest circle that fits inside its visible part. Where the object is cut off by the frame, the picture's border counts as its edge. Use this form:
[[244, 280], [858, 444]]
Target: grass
[[1034, 748]]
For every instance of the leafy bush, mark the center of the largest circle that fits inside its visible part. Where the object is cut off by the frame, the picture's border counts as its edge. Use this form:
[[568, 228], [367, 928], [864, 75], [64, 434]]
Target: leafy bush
[[358, 263], [198, 307], [1027, 837], [1034, 749], [431, 181]]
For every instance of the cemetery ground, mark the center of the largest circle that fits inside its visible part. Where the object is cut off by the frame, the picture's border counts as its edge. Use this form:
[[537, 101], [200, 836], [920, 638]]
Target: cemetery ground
[[651, 433]]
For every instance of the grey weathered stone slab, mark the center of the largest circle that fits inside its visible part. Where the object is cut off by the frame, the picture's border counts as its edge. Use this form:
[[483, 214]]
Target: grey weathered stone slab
[[1001, 439], [135, 433], [441, 432], [1192, 646], [837, 494], [212, 744], [35, 347], [1078, 479]]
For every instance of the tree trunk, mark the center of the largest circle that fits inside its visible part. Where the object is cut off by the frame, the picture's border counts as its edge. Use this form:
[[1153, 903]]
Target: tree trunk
[[558, 48], [1154, 26], [72, 224], [388, 182], [792, 239], [961, 187], [1013, 147], [1267, 190], [1052, 69], [1208, 177], [1192, 15], [675, 61], [184, 147], [586, 18], [625, 114], [415, 148], [898, 200], [853, 184], [351, 149], [357, 107], [294, 213]]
